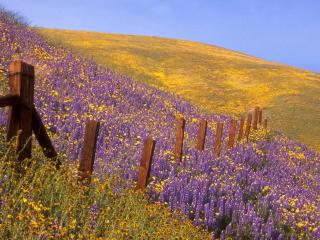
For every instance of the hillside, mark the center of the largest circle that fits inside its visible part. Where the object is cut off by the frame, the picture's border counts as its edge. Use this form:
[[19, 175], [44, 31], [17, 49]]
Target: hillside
[[266, 188], [52, 206], [220, 80]]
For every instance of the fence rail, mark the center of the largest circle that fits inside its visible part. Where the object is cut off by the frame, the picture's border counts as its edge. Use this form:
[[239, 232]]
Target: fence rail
[[9, 100]]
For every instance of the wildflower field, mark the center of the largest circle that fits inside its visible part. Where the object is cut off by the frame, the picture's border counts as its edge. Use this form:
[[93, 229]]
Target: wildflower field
[[42, 202], [265, 189], [217, 79]]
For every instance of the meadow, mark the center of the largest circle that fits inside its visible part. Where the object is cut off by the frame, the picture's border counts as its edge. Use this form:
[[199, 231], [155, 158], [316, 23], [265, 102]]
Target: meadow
[[216, 79], [43, 202], [267, 188]]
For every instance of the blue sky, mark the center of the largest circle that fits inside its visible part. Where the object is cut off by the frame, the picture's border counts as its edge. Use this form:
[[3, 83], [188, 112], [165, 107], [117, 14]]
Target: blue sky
[[286, 31]]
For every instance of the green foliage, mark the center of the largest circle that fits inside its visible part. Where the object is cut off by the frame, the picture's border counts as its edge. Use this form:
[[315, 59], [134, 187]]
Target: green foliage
[[40, 202]]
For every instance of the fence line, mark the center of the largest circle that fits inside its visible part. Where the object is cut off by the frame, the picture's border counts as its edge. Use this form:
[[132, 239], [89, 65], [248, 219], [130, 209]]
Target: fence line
[[145, 164], [232, 133], [260, 117], [179, 138], [240, 134], [23, 119], [255, 118], [21, 82], [202, 135], [218, 138], [88, 149], [265, 123], [248, 126]]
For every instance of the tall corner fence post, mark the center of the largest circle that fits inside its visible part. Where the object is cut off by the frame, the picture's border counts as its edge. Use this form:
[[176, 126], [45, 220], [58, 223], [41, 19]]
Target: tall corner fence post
[[218, 139], [232, 133], [21, 82], [248, 126], [202, 135], [241, 125], [88, 150], [255, 118], [145, 163], [179, 138]]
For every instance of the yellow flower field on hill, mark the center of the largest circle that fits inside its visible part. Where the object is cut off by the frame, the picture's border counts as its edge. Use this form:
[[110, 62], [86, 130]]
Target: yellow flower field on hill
[[217, 79]]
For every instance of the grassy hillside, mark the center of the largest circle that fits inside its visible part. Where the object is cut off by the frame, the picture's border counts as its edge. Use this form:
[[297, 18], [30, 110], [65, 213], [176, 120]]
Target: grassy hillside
[[264, 189], [217, 79], [51, 205]]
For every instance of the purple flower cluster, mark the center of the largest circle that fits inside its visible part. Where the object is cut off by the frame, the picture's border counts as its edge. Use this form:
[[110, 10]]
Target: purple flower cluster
[[268, 189]]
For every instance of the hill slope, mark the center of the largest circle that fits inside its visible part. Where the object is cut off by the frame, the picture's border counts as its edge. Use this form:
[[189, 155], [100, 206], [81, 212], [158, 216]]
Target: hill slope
[[217, 79], [266, 188], [52, 206]]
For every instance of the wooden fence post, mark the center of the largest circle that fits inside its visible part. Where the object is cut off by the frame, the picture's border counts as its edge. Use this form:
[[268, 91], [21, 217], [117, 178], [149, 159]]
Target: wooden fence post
[[179, 138], [145, 164], [265, 123], [217, 142], [240, 134], [88, 149], [232, 133], [260, 117], [40, 132], [21, 81], [255, 118], [202, 135], [248, 127]]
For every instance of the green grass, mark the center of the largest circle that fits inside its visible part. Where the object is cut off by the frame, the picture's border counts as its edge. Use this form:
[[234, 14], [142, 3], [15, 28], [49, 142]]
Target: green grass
[[40, 201], [217, 79]]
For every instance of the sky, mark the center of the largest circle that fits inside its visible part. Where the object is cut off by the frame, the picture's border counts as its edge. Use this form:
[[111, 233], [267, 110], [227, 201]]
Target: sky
[[286, 31]]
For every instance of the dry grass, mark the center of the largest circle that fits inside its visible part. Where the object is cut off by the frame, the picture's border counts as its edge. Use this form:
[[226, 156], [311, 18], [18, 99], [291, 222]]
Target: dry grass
[[217, 79]]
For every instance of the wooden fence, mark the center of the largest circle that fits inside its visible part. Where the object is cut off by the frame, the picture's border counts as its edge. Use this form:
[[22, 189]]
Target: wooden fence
[[23, 119]]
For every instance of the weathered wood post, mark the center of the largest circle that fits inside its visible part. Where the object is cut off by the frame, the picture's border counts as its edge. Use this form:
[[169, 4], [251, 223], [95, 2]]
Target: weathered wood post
[[255, 118], [21, 82], [265, 123], [89, 149], [248, 127], [202, 135], [240, 134], [179, 139], [218, 138], [232, 133], [145, 164], [260, 117]]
